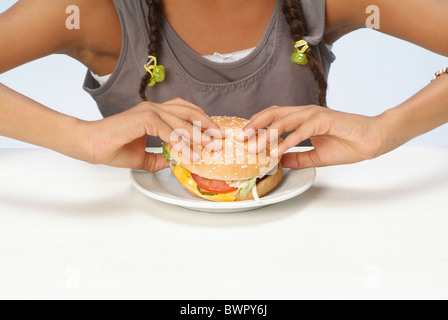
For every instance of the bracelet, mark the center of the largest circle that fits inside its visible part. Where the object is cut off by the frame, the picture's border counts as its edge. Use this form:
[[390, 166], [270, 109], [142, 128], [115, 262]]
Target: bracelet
[[439, 73]]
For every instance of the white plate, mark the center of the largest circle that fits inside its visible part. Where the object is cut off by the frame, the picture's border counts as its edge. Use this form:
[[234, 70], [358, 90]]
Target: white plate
[[163, 186]]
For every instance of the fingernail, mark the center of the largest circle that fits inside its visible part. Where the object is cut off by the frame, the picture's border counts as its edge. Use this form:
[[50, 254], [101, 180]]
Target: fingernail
[[223, 132], [274, 153], [196, 157], [252, 148], [214, 146], [217, 146], [241, 136]]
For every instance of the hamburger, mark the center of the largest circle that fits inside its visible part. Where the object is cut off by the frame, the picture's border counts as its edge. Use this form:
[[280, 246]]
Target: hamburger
[[231, 174]]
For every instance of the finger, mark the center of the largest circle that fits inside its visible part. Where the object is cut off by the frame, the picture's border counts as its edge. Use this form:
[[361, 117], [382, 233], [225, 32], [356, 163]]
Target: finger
[[291, 141], [171, 136], [305, 131], [159, 128], [197, 118], [301, 160], [262, 113], [265, 118], [182, 102], [183, 147], [265, 137], [154, 162], [277, 128], [209, 124], [306, 124], [274, 113], [190, 132], [260, 120]]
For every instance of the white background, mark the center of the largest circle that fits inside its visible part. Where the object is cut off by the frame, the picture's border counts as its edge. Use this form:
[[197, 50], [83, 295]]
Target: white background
[[373, 72]]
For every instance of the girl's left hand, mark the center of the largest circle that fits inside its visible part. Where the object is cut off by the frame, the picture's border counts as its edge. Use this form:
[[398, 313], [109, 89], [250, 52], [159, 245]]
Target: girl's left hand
[[337, 137]]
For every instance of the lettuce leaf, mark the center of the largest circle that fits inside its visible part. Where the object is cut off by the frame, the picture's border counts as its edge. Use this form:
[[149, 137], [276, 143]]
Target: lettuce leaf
[[249, 187], [166, 153]]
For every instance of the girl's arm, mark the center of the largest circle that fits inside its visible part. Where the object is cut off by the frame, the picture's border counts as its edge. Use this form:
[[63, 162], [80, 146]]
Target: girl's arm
[[27, 120], [425, 111], [29, 30], [35, 28], [117, 141], [341, 138], [421, 22]]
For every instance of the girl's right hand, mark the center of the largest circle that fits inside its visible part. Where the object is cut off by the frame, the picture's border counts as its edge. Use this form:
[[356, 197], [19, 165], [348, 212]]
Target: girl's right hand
[[120, 140]]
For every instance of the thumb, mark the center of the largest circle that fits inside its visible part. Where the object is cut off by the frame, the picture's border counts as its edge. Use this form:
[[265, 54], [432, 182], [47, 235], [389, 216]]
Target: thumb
[[154, 162], [301, 160]]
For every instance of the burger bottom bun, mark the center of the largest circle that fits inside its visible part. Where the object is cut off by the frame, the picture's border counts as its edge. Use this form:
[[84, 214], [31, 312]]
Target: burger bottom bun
[[263, 187]]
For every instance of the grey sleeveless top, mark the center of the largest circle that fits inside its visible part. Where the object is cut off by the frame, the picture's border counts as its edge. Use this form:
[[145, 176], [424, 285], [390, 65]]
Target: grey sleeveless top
[[264, 78]]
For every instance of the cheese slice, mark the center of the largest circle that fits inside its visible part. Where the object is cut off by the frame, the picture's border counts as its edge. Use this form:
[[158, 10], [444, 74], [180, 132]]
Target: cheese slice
[[184, 177]]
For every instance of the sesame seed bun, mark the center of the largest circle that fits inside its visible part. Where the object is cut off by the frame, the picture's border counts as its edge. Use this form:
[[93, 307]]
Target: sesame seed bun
[[233, 162]]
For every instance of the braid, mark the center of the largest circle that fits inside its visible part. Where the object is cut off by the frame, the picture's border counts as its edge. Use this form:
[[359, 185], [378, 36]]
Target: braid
[[292, 9], [154, 21]]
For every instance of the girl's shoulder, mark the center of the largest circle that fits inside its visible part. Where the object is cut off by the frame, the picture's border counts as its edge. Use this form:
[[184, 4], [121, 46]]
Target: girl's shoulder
[[32, 29]]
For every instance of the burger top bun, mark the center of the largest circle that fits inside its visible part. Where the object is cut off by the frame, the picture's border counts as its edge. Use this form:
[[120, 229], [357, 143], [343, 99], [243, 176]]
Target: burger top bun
[[233, 162]]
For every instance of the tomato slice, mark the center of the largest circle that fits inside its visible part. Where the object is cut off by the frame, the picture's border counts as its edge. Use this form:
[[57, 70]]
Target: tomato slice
[[214, 186]]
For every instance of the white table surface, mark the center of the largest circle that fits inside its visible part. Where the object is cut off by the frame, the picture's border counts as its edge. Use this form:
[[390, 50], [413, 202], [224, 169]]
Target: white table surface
[[377, 229]]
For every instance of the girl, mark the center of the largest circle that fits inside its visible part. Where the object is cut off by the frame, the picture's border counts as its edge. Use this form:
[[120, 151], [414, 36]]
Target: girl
[[253, 70]]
